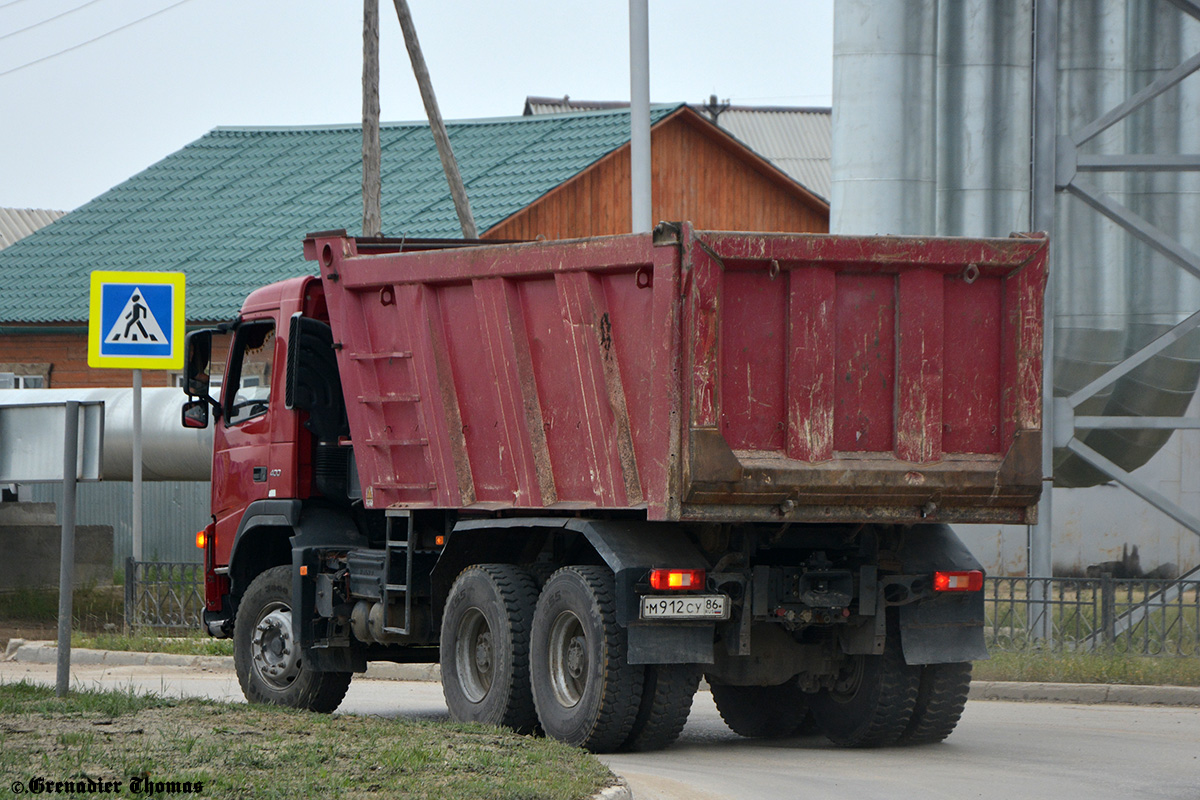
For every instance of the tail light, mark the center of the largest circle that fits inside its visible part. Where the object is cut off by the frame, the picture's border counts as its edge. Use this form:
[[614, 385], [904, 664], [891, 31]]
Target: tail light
[[971, 581], [665, 580], [201, 539]]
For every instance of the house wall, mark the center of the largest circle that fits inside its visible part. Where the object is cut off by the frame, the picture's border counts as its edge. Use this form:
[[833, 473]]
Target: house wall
[[698, 175], [60, 354]]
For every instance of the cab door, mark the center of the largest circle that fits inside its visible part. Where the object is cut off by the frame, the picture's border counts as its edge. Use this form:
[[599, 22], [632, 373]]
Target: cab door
[[243, 435]]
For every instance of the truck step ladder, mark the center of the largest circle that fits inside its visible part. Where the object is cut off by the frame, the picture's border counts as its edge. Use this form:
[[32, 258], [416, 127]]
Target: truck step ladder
[[398, 568]]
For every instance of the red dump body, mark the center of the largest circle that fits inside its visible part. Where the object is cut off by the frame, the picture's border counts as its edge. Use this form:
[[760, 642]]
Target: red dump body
[[696, 375]]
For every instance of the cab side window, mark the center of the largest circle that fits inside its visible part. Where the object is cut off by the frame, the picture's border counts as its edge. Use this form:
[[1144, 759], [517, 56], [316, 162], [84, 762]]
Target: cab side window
[[248, 384]]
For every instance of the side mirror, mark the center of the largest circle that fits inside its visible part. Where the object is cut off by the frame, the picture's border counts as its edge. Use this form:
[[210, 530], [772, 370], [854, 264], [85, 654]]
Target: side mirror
[[197, 366], [195, 413]]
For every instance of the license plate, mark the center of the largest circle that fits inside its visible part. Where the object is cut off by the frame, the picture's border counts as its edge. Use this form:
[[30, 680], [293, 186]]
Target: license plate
[[700, 606]]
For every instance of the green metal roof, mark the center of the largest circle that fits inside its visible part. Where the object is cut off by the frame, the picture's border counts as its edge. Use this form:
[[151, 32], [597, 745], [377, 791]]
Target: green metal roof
[[231, 209]]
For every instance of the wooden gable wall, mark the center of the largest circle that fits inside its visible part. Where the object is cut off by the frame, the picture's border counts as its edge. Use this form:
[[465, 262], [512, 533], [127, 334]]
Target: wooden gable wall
[[699, 174]]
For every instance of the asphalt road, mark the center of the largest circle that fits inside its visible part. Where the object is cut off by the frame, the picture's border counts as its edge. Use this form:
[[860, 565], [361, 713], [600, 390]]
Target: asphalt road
[[1001, 750]]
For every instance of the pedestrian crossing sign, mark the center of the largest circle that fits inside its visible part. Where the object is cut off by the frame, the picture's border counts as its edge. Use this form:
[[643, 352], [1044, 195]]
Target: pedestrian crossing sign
[[136, 320]]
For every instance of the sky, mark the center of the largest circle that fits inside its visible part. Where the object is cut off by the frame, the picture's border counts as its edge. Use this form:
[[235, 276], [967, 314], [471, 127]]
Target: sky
[[78, 118]]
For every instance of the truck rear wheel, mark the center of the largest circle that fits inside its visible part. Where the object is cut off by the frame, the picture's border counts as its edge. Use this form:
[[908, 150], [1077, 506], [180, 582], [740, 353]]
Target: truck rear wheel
[[586, 692], [940, 701], [485, 646], [268, 659], [872, 702], [667, 692], [763, 712]]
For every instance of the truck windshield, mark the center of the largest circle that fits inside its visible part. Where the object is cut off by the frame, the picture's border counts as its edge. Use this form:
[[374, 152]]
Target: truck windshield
[[249, 382]]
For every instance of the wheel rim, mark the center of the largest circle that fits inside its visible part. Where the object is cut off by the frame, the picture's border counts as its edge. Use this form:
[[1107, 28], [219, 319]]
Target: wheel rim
[[849, 680], [568, 659], [274, 653], [474, 655]]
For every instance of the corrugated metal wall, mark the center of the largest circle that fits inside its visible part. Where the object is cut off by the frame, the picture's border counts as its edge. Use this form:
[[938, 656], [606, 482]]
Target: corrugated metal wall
[[172, 513]]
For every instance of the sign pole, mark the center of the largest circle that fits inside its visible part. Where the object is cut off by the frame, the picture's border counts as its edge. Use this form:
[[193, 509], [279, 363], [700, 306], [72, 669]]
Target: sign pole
[[137, 466], [66, 571]]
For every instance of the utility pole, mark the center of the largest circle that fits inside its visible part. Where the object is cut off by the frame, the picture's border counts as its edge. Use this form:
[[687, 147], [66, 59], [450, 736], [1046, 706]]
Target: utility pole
[[642, 217], [457, 190], [372, 185]]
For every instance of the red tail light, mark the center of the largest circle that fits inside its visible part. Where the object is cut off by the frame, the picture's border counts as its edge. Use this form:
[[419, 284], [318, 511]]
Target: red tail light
[[676, 579], [971, 581], [201, 539]]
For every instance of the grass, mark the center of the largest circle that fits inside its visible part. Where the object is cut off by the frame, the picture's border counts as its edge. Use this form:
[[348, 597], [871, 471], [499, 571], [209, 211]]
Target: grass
[[30, 699], [192, 644], [92, 607], [255, 751], [1098, 667]]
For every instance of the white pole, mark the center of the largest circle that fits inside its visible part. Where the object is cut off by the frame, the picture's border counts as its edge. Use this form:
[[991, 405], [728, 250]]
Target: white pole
[[1045, 115], [137, 465], [639, 116]]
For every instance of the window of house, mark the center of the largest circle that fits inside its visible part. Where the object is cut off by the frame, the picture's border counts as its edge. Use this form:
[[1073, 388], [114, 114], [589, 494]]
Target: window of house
[[24, 376]]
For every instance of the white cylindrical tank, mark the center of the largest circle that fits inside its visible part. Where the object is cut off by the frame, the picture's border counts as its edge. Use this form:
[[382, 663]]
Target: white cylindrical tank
[[170, 452]]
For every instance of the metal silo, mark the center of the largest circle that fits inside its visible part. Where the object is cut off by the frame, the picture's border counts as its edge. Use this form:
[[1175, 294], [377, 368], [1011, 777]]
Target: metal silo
[[934, 115]]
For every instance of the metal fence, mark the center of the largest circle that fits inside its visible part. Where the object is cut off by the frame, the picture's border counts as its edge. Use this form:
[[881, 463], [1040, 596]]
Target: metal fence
[[1138, 617], [160, 594]]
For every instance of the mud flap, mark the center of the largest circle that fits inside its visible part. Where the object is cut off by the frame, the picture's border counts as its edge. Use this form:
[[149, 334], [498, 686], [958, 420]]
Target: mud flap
[[631, 549], [946, 628], [943, 630], [671, 644]]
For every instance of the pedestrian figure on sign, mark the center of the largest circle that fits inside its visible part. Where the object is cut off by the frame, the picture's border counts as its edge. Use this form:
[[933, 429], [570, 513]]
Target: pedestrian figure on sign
[[135, 315]]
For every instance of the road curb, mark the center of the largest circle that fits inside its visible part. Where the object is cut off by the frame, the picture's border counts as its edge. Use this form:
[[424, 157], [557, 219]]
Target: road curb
[[618, 791], [45, 652], [1086, 693]]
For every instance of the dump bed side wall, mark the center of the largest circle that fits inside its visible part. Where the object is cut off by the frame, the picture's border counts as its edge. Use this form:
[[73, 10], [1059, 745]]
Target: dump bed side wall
[[725, 376], [530, 376]]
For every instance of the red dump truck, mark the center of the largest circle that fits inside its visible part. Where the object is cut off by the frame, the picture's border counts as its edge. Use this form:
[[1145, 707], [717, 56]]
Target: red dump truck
[[580, 475]]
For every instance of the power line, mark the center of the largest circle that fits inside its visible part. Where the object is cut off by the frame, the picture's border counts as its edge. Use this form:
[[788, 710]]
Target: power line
[[50, 19], [90, 41], [11, 3]]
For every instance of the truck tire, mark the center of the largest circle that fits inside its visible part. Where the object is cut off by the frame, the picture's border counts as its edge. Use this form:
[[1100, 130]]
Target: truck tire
[[940, 701], [267, 658], [585, 691], [763, 712], [485, 646], [667, 692], [872, 703]]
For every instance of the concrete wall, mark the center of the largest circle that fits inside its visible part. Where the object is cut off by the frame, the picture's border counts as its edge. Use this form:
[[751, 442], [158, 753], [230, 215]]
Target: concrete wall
[[31, 543]]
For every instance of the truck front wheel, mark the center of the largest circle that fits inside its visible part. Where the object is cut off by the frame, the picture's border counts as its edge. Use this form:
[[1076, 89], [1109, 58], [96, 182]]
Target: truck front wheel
[[586, 692], [485, 646], [268, 659]]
